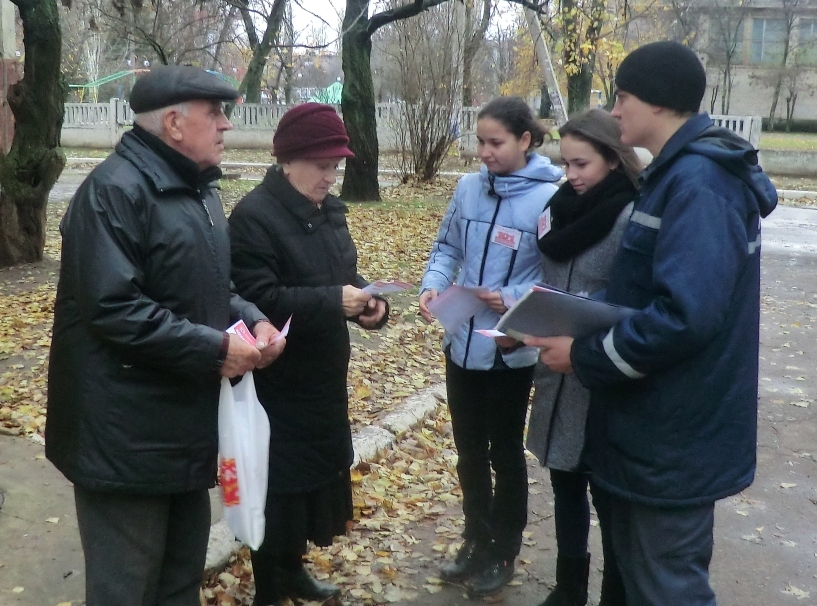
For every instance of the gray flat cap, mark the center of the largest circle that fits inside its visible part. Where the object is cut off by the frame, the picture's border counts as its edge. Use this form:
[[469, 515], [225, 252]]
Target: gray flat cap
[[168, 85]]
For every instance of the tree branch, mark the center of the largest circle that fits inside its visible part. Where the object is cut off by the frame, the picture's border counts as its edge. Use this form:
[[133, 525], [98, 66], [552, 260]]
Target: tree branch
[[540, 8], [249, 25], [401, 12]]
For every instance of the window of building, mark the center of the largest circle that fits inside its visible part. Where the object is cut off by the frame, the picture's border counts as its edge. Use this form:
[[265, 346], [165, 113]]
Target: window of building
[[768, 40], [807, 44]]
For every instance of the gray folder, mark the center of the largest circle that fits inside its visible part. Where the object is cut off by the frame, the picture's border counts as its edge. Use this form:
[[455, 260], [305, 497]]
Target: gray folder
[[546, 312]]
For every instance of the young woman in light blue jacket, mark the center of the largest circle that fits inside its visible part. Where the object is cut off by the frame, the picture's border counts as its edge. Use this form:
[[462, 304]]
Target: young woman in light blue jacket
[[488, 239]]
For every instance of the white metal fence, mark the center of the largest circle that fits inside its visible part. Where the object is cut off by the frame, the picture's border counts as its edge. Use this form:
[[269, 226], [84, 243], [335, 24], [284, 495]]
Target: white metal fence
[[748, 127], [102, 124]]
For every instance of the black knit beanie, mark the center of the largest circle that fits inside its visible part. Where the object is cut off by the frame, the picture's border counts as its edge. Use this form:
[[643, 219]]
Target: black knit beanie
[[666, 74]]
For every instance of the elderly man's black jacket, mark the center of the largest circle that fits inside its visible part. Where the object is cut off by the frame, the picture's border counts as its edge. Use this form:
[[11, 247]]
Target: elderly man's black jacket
[[292, 258], [143, 297]]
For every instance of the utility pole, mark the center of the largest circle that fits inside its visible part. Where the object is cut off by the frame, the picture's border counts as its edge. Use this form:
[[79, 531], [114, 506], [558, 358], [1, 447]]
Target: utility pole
[[543, 58]]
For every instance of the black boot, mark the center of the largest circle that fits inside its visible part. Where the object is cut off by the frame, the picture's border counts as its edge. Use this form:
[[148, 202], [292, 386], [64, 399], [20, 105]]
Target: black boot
[[491, 579], [612, 587], [471, 559], [571, 582], [299, 584]]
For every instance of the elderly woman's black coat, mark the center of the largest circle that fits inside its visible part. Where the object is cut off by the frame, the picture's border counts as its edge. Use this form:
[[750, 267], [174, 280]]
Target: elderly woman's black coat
[[292, 258]]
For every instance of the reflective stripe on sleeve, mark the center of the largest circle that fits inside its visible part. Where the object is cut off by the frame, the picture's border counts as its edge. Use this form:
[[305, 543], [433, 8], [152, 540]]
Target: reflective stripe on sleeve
[[754, 246], [615, 358], [646, 220]]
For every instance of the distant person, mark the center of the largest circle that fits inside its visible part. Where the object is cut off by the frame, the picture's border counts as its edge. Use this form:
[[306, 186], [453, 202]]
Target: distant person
[[143, 300], [293, 256], [581, 229], [488, 239], [672, 425]]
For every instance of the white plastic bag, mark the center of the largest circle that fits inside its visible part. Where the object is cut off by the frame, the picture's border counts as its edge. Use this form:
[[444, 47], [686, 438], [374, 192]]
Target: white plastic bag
[[243, 444]]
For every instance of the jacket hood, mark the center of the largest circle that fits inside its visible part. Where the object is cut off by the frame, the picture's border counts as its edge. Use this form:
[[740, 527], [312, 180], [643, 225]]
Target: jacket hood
[[538, 170], [736, 155]]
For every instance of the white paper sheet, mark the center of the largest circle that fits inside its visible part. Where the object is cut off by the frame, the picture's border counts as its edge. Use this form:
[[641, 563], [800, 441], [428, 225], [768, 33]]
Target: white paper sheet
[[456, 305], [381, 287]]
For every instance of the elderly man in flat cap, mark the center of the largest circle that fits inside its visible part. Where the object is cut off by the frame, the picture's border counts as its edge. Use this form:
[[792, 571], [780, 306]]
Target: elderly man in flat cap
[[139, 347]]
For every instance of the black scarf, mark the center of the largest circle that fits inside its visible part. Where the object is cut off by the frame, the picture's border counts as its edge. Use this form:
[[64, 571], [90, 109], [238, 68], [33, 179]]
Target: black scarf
[[183, 166], [578, 221]]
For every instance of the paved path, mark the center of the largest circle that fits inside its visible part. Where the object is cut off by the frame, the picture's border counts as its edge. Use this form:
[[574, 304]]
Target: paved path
[[790, 230], [766, 551]]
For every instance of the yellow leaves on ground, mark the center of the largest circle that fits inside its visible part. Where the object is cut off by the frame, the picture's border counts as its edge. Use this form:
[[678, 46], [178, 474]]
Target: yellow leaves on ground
[[26, 311], [393, 240], [377, 562]]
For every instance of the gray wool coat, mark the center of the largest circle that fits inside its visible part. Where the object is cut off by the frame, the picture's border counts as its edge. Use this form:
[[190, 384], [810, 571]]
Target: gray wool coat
[[560, 402]]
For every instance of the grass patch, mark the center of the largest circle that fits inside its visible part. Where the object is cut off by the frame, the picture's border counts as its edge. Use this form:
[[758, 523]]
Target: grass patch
[[789, 141]]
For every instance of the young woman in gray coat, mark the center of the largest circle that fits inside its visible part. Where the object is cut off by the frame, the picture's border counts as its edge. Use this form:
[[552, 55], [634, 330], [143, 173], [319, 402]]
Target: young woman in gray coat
[[579, 234]]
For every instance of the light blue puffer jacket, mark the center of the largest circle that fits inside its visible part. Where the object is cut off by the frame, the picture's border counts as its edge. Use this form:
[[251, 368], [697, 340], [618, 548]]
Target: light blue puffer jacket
[[464, 251]]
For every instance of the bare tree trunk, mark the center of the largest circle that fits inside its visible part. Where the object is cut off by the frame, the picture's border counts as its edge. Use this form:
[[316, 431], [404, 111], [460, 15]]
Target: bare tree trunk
[[578, 90], [471, 48], [35, 161], [357, 104], [287, 62], [544, 103], [358, 100], [575, 54], [781, 73], [251, 83], [775, 98], [228, 24], [727, 87], [790, 101]]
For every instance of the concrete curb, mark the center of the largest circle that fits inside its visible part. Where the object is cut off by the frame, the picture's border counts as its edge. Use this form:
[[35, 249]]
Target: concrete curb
[[367, 443], [794, 194]]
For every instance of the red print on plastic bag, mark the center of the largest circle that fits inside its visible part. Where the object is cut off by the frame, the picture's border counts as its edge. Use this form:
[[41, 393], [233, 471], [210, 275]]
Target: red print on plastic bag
[[229, 483]]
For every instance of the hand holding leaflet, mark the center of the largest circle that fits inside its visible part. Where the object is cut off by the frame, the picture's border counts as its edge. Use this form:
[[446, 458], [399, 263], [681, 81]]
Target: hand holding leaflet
[[240, 329], [284, 331], [381, 287], [457, 304]]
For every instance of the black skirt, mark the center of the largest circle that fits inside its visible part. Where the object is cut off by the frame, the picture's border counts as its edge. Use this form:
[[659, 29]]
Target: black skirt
[[318, 516]]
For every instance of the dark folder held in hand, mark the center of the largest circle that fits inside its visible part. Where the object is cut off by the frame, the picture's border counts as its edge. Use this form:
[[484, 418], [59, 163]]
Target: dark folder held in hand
[[548, 312]]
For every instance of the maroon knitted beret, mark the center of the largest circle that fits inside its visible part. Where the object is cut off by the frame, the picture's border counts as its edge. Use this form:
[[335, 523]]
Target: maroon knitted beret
[[310, 131]]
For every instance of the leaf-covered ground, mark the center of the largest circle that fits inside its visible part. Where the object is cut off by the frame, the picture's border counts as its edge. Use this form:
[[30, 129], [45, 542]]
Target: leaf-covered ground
[[393, 240], [377, 562]]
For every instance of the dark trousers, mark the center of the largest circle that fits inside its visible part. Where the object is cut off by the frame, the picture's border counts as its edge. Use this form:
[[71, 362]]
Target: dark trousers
[[488, 410], [571, 512], [572, 519], [143, 550], [663, 553]]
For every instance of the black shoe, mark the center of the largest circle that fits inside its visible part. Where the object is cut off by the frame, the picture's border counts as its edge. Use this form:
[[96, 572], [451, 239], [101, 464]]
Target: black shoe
[[571, 582], [471, 559], [612, 587], [491, 579], [299, 584]]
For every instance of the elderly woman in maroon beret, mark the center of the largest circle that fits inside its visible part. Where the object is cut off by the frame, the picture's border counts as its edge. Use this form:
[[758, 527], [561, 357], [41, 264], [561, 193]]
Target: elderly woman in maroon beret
[[292, 255]]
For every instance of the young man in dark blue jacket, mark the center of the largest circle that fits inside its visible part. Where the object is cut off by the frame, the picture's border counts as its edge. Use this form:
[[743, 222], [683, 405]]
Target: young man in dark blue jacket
[[673, 419]]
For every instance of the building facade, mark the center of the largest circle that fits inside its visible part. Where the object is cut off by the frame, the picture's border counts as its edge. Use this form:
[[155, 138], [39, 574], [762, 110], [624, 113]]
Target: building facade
[[754, 48]]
